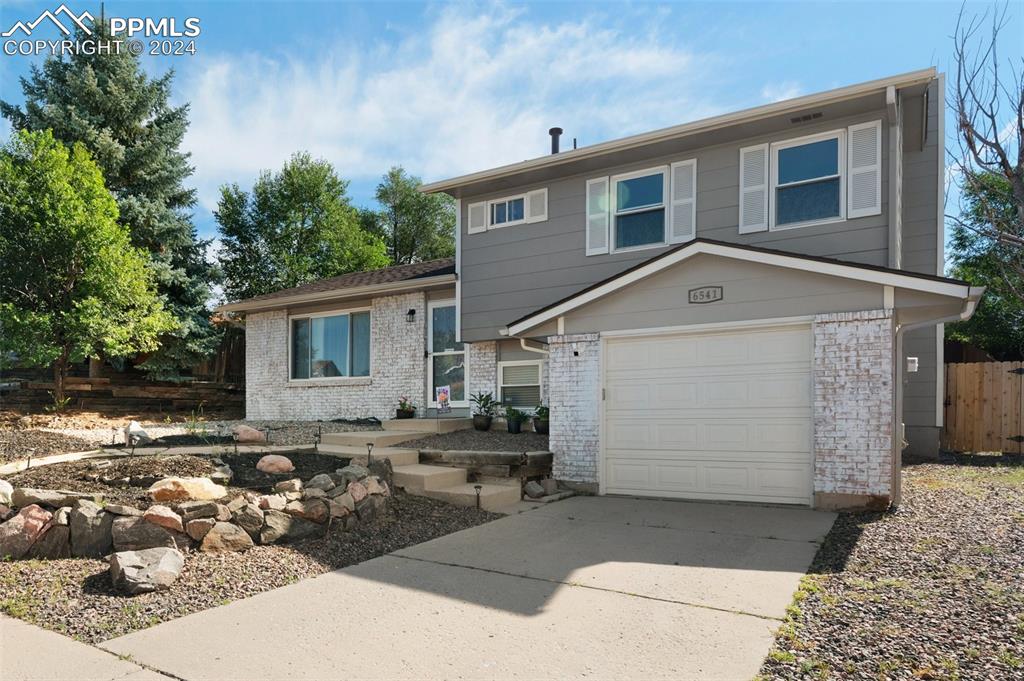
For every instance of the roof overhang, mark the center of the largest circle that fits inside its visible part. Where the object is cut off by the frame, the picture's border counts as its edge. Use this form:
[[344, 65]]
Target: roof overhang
[[880, 85], [877, 275], [339, 294]]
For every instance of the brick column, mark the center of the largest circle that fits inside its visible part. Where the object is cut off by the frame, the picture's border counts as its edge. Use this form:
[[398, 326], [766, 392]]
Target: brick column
[[483, 368], [853, 409], [574, 370]]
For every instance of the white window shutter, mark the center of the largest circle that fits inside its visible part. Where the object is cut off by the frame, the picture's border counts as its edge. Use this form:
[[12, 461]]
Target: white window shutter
[[754, 189], [537, 205], [683, 210], [597, 216], [477, 217], [864, 170]]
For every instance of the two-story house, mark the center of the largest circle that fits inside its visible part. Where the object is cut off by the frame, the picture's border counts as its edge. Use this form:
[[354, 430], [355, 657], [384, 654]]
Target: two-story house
[[746, 307]]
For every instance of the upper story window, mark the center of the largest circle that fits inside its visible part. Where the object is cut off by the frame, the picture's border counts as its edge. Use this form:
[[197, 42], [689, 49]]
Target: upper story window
[[638, 215], [506, 212], [807, 180], [330, 345]]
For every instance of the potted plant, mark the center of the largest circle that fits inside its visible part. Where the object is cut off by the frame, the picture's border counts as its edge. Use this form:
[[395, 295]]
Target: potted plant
[[540, 420], [514, 418], [484, 409], [406, 409]]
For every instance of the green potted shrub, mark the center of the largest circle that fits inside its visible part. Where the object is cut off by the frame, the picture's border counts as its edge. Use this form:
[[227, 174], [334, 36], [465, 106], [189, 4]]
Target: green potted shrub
[[484, 409], [406, 409], [540, 420], [514, 418]]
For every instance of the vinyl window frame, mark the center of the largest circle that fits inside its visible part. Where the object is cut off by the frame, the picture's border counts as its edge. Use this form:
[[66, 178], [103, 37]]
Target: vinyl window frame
[[430, 354], [614, 213], [508, 223], [539, 363], [773, 176], [329, 380]]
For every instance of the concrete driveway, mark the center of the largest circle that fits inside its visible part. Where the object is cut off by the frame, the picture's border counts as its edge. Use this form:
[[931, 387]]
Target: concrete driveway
[[604, 588]]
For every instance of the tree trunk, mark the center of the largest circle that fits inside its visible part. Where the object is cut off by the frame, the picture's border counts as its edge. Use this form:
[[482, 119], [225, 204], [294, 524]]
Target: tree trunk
[[60, 372], [95, 367]]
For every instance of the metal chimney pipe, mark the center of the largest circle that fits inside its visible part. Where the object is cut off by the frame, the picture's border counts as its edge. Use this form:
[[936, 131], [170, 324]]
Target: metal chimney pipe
[[555, 134]]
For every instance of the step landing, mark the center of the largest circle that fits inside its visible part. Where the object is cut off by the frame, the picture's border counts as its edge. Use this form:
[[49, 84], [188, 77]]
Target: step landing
[[442, 425], [379, 438]]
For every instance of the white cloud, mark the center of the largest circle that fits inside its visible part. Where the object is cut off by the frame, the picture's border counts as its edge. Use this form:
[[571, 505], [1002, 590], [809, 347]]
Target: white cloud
[[464, 93], [777, 92]]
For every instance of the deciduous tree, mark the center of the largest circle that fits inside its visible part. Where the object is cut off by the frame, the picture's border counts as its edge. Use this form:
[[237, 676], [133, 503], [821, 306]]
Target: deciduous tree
[[415, 226]]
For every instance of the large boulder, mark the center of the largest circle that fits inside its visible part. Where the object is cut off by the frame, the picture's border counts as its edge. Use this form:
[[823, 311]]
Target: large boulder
[[321, 481], [248, 435], [185, 489], [132, 533], [137, 572], [164, 517], [275, 464], [91, 535], [53, 543], [310, 509], [26, 496], [6, 489], [226, 537], [279, 526], [250, 519], [19, 533]]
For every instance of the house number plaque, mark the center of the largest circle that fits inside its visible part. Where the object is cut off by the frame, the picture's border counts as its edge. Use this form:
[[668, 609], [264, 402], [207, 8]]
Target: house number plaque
[[706, 294]]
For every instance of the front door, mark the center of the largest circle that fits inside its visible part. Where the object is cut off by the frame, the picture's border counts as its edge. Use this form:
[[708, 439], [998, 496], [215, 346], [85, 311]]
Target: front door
[[446, 363]]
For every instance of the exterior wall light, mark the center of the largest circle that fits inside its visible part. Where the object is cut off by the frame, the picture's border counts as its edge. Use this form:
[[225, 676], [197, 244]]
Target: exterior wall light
[[410, 316]]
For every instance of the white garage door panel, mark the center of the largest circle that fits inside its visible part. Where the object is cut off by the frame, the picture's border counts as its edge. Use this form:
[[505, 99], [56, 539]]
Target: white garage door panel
[[710, 416]]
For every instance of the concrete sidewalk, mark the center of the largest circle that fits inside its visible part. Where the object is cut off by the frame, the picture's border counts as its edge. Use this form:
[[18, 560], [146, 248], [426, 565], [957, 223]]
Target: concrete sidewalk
[[28, 653], [589, 587]]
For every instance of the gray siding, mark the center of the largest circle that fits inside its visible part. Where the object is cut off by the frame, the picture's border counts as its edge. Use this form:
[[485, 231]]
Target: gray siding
[[509, 272]]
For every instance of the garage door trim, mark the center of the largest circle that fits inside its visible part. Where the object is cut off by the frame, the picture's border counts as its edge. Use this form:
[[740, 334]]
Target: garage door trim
[[718, 327]]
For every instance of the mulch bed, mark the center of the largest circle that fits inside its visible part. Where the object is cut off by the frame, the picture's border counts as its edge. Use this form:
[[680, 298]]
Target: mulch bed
[[20, 444], [482, 440], [74, 475], [75, 596], [934, 590]]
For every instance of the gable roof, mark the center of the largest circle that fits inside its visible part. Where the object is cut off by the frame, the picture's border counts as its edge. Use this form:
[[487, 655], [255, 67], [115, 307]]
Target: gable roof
[[399, 277], [829, 266], [849, 92]]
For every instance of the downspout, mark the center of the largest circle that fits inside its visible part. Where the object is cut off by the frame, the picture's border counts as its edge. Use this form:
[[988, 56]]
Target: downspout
[[970, 305], [524, 346]]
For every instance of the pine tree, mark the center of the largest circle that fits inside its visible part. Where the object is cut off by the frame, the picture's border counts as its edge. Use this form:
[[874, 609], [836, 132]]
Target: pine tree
[[124, 119]]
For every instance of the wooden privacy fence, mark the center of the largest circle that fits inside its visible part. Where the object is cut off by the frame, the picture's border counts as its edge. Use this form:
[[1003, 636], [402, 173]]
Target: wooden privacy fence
[[984, 407]]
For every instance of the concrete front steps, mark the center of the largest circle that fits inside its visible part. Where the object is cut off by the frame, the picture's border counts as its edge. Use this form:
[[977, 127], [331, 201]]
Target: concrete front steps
[[397, 455], [379, 438], [442, 425], [449, 484]]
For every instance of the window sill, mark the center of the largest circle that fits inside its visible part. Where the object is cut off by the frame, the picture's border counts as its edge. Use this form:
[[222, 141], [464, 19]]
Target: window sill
[[811, 223], [645, 247], [329, 382]]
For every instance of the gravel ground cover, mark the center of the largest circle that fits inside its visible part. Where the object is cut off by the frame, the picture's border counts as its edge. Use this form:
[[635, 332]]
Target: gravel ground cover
[[482, 440], [934, 590], [21, 444], [75, 475], [75, 596]]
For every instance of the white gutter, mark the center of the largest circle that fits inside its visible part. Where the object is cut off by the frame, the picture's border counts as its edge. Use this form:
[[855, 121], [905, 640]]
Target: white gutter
[[970, 305], [524, 346], [337, 294], [677, 131]]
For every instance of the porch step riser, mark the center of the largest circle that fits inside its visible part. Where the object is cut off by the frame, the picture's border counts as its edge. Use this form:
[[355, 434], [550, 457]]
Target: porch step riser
[[420, 479], [398, 457], [379, 438], [428, 425], [492, 497]]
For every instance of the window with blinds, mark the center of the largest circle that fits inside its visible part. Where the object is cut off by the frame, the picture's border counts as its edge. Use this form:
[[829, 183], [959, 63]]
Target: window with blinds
[[519, 384]]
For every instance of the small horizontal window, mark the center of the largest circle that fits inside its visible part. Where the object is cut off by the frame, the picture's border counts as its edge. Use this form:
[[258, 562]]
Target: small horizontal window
[[519, 384], [508, 211], [808, 181], [330, 346]]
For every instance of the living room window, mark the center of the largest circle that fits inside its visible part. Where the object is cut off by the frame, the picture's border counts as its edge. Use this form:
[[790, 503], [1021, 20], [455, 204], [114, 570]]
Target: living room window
[[519, 384], [638, 209], [330, 345], [807, 180]]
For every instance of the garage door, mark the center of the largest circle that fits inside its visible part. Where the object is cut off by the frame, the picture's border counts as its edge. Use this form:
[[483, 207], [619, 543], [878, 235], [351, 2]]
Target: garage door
[[723, 415]]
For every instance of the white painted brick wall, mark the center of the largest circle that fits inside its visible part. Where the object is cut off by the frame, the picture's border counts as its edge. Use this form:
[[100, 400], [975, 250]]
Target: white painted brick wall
[[397, 367], [483, 368], [853, 402], [573, 396]]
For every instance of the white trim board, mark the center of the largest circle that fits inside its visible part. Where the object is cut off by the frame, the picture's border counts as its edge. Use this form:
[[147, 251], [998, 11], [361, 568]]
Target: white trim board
[[895, 279]]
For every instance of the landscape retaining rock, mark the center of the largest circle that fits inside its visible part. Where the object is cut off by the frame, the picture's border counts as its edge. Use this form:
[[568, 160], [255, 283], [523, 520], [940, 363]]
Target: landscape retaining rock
[[275, 463], [310, 509], [248, 435], [279, 526], [275, 502], [164, 517], [250, 519], [293, 485], [19, 533], [131, 533], [321, 481], [353, 473], [25, 496], [53, 543], [148, 570], [5, 492], [226, 537], [358, 491], [185, 489], [198, 528], [91, 535]]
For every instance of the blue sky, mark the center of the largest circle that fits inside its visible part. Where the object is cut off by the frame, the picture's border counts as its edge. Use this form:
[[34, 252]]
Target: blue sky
[[448, 88]]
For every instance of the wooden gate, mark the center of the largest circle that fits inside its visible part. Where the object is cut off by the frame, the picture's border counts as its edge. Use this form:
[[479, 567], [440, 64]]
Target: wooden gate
[[984, 407]]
